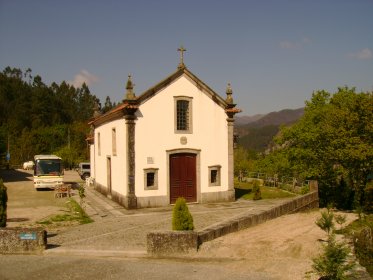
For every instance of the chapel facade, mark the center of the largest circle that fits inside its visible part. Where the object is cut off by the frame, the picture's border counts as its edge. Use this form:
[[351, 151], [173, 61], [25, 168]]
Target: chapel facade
[[174, 140]]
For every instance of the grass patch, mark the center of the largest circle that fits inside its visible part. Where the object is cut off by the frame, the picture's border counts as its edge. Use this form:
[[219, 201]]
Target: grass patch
[[360, 231], [74, 215], [244, 190], [357, 225]]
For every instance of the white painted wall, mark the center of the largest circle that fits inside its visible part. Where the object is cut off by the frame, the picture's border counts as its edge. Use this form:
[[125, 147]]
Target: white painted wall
[[118, 161], [92, 159], [155, 134]]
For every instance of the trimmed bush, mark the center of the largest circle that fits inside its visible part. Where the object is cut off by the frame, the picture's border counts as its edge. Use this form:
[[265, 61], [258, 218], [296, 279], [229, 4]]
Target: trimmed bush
[[181, 217], [3, 202]]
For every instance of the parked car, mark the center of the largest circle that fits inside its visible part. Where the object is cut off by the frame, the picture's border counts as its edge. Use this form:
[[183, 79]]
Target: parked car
[[28, 165], [84, 170]]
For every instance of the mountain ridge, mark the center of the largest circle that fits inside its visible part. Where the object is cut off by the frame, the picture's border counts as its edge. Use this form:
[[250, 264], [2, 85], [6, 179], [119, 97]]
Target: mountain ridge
[[285, 116], [257, 132]]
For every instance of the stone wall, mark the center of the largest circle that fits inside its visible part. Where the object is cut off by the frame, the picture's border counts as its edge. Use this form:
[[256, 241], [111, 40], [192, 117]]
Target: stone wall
[[246, 220], [171, 242], [22, 240]]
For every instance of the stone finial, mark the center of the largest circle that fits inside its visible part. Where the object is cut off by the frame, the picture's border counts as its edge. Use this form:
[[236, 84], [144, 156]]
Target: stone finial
[[130, 95], [181, 64], [229, 93]]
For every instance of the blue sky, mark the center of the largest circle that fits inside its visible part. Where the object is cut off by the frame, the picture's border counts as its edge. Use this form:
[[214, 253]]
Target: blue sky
[[274, 53]]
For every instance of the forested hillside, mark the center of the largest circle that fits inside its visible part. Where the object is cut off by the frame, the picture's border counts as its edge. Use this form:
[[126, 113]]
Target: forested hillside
[[256, 134], [39, 119]]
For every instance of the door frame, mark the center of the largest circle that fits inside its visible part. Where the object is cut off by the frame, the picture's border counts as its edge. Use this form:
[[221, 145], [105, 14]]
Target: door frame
[[197, 153]]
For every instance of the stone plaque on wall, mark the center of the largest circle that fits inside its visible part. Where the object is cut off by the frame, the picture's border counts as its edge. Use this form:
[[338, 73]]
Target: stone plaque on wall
[[183, 140]]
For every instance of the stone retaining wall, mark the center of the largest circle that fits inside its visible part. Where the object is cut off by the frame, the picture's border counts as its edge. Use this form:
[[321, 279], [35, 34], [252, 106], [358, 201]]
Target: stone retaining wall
[[171, 242], [22, 240], [246, 220]]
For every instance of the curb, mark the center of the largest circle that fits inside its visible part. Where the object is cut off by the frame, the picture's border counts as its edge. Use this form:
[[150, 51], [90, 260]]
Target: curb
[[96, 253]]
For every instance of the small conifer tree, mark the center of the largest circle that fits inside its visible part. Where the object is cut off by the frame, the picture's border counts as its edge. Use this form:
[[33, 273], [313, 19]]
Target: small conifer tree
[[181, 217], [332, 263], [325, 222], [3, 204]]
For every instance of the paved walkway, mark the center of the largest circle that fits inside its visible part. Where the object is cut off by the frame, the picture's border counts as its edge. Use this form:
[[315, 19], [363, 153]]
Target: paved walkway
[[120, 232]]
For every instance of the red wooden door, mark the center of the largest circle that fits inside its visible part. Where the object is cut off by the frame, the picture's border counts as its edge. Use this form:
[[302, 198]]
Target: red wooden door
[[183, 177]]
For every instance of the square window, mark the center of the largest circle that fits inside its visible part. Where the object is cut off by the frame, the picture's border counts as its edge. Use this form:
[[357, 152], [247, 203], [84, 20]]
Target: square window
[[151, 179], [214, 175]]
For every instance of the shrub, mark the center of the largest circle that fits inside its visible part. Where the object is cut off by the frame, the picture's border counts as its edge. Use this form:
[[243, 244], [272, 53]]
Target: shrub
[[368, 201], [3, 204], [363, 242], [305, 189], [82, 195], [181, 217], [256, 190]]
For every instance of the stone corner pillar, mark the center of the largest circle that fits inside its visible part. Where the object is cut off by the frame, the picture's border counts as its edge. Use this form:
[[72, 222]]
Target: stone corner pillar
[[230, 122], [131, 199]]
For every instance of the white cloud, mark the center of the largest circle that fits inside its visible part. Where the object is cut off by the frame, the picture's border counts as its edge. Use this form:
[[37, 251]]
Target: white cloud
[[362, 54], [294, 45], [84, 77]]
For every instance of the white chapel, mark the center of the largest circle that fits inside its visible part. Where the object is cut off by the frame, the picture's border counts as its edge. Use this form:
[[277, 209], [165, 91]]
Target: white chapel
[[174, 140]]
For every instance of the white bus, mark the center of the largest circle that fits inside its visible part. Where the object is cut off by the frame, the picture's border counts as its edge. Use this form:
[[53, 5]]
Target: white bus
[[48, 172]]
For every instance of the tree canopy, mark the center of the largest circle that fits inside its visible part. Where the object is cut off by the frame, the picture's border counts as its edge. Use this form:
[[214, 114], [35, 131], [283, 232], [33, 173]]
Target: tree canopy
[[36, 118], [331, 143]]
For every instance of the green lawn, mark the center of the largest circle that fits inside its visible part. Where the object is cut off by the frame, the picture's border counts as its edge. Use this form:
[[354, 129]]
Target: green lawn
[[244, 190]]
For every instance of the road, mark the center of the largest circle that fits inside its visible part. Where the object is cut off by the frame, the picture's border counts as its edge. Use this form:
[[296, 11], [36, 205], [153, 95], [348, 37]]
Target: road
[[72, 267]]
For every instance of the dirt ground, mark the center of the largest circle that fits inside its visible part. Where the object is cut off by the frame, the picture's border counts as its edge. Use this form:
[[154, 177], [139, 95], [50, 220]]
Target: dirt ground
[[282, 248], [26, 206]]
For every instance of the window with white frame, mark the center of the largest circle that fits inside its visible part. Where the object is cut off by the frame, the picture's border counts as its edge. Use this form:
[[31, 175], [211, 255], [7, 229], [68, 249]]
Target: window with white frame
[[183, 114], [214, 175], [151, 179]]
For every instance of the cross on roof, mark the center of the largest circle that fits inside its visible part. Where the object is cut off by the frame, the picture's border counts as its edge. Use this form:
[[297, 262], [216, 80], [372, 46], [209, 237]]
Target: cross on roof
[[181, 50]]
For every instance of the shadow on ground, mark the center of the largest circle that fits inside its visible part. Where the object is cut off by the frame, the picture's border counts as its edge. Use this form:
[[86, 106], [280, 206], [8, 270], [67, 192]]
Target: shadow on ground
[[13, 175]]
